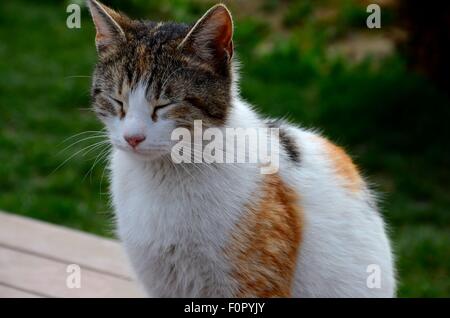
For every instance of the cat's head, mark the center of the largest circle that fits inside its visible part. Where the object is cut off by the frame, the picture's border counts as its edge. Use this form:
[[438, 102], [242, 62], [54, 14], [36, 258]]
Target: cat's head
[[151, 77]]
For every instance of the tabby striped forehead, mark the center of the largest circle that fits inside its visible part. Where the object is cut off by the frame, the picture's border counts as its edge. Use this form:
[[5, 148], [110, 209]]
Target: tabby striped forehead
[[151, 57], [148, 53]]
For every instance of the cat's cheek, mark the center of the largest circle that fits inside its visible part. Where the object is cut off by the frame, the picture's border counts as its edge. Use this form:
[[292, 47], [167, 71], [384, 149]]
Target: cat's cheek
[[160, 132], [113, 128], [107, 122]]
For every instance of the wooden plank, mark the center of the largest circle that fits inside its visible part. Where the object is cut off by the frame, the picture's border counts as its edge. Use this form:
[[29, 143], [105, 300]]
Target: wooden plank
[[61, 244], [48, 277], [9, 292]]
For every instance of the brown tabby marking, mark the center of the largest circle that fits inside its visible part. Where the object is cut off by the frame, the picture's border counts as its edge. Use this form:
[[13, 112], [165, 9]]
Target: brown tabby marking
[[188, 65], [265, 247], [344, 166]]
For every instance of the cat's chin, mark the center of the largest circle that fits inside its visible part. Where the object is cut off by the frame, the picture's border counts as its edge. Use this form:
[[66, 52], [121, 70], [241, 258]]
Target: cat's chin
[[148, 155]]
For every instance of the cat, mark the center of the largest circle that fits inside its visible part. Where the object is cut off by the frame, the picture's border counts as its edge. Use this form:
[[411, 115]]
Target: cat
[[311, 229]]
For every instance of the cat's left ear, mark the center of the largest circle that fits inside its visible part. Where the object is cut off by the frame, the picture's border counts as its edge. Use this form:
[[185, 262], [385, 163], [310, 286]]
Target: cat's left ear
[[108, 24], [211, 38]]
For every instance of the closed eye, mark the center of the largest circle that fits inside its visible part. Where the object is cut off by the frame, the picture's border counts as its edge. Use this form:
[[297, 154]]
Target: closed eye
[[120, 103], [157, 107]]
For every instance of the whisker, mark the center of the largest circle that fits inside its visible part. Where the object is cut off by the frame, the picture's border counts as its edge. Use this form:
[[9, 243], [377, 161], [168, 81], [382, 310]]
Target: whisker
[[86, 109], [81, 140], [96, 146], [82, 133], [78, 76], [97, 160], [91, 147], [169, 77], [104, 168]]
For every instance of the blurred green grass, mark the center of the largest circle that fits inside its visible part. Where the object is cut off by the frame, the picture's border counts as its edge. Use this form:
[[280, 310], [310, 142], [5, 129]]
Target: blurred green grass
[[393, 122]]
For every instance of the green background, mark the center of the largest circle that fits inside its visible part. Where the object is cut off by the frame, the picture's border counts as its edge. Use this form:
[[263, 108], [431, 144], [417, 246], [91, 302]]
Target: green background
[[299, 61]]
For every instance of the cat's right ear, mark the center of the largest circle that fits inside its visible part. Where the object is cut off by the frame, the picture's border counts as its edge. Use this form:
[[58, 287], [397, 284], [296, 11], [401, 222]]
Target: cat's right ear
[[107, 24]]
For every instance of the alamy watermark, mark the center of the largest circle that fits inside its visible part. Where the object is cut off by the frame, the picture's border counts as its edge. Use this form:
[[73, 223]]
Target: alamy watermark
[[227, 145], [373, 21], [374, 278], [73, 279], [73, 20]]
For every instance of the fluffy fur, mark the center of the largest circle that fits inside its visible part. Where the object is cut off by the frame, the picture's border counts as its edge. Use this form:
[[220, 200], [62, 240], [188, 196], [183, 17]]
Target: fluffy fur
[[224, 230]]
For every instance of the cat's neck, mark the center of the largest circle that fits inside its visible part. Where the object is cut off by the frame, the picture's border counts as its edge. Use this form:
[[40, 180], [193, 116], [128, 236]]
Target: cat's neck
[[242, 115]]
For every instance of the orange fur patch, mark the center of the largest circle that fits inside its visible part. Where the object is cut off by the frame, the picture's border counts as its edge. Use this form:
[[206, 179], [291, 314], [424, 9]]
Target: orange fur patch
[[265, 246], [344, 166]]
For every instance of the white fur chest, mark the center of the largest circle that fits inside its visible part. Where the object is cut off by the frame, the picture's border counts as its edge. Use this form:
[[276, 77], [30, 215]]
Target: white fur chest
[[175, 225]]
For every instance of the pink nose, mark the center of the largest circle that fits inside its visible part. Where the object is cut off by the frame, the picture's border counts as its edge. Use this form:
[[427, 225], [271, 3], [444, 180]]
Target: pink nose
[[134, 140]]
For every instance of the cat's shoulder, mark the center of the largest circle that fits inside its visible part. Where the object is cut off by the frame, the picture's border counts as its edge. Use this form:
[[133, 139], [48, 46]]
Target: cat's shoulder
[[310, 149]]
